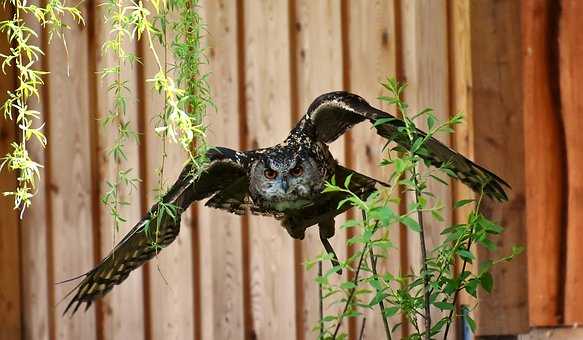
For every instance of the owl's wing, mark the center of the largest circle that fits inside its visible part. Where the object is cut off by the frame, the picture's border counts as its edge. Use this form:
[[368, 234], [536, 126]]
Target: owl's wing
[[332, 114], [159, 227]]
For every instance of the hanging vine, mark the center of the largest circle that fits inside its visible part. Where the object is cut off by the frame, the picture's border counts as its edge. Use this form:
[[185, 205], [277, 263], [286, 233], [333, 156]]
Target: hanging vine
[[22, 58]]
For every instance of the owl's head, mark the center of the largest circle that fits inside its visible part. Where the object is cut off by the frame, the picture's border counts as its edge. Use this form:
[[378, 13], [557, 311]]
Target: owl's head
[[284, 180]]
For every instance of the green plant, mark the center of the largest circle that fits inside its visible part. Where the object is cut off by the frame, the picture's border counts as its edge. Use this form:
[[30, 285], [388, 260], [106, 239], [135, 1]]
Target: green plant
[[181, 83], [434, 284], [21, 58], [187, 94]]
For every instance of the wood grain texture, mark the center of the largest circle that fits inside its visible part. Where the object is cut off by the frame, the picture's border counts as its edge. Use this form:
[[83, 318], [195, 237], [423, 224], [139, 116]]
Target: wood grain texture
[[319, 70], [499, 146], [10, 284], [171, 295], [372, 43], [34, 229], [220, 232], [571, 52], [70, 174], [566, 333], [460, 62], [122, 308], [545, 173], [426, 70], [267, 95]]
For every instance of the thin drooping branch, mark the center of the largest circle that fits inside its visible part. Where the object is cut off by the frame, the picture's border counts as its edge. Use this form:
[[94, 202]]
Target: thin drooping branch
[[426, 299]]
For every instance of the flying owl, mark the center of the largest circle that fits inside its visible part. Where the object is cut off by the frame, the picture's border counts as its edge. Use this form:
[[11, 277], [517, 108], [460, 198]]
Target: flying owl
[[284, 181]]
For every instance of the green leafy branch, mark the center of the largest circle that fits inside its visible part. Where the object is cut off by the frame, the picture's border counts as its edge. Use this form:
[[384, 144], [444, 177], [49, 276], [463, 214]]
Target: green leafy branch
[[22, 56], [435, 284], [123, 20]]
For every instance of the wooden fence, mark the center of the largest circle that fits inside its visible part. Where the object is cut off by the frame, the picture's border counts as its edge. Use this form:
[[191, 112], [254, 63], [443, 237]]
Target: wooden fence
[[228, 277]]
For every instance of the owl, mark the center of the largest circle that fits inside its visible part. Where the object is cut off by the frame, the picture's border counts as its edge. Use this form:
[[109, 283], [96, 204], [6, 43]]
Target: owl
[[285, 181]]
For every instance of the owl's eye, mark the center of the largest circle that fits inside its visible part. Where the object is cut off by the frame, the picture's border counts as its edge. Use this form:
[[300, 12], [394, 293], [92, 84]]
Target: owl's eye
[[298, 170], [270, 174]]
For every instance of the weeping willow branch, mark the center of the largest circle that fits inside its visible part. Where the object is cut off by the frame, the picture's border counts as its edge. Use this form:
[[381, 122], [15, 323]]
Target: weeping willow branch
[[21, 59]]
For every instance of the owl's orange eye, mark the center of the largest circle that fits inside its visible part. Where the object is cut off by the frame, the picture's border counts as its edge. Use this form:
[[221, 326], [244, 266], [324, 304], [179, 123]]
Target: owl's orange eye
[[297, 171], [270, 174]]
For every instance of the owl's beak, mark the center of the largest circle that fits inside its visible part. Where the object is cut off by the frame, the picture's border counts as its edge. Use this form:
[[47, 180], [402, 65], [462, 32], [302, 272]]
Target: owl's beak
[[284, 183]]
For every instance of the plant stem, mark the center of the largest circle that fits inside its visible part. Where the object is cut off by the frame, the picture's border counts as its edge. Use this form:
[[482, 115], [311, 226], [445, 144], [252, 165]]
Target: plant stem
[[426, 292], [321, 298], [455, 295], [352, 291], [361, 336], [464, 265], [381, 303]]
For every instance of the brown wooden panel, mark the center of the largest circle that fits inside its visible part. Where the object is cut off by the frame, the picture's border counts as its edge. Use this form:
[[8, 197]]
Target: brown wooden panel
[[571, 54], [499, 146], [319, 70], [546, 333], [545, 174], [122, 308], [267, 95], [372, 44], [70, 173], [34, 229], [461, 101], [10, 305], [221, 257], [171, 282], [425, 67]]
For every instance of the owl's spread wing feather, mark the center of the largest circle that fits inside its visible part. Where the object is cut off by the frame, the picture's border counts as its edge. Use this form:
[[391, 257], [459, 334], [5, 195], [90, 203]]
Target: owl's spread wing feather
[[332, 114], [157, 230]]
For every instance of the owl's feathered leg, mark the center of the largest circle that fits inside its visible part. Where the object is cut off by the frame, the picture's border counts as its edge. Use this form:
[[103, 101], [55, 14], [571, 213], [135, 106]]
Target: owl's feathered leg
[[326, 232]]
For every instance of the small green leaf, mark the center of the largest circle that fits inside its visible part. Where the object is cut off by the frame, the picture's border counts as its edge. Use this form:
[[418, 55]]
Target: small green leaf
[[347, 180], [487, 281], [411, 223], [347, 285], [390, 311], [444, 305], [461, 203], [465, 254]]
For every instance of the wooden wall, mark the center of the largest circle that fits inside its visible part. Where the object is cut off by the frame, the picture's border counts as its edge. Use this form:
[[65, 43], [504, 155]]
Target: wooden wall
[[230, 277]]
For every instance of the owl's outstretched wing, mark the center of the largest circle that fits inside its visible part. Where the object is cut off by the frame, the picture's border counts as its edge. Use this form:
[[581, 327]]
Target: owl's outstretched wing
[[332, 114], [159, 227]]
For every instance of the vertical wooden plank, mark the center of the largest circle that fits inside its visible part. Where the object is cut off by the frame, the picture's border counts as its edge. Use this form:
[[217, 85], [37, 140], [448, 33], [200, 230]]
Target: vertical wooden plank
[[267, 96], [122, 308], [220, 232], [499, 146], [461, 92], [372, 42], [461, 101], [10, 304], [34, 232], [545, 173], [70, 174], [571, 52], [425, 66], [171, 280], [319, 70]]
